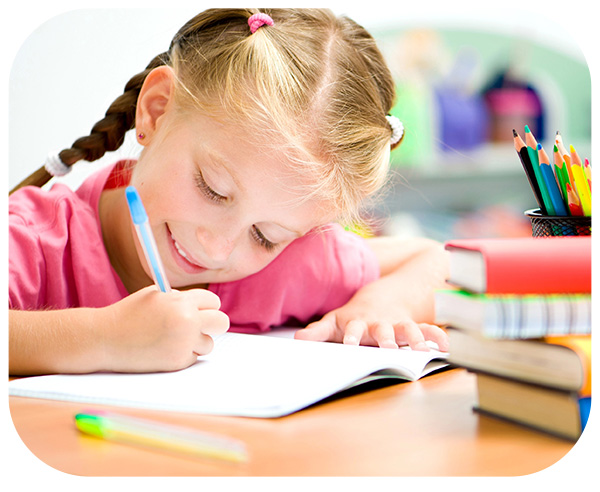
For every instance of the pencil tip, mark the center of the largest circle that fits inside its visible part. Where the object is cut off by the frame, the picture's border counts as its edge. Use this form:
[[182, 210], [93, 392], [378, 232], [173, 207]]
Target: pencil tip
[[555, 148], [571, 148], [514, 132], [527, 130], [557, 132], [539, 146]]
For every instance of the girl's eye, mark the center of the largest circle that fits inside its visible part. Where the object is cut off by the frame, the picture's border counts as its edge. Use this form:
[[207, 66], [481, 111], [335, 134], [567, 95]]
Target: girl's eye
[[207, 190], [262, 240]]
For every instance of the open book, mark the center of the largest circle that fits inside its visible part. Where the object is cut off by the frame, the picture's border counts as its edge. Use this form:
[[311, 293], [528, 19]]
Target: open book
[[244, 375]]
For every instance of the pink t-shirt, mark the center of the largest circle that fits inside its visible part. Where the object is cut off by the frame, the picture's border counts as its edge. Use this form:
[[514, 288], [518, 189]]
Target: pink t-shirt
[[57, 260]]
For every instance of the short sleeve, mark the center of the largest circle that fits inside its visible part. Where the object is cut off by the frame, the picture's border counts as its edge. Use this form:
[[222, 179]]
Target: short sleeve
[[26, 282]]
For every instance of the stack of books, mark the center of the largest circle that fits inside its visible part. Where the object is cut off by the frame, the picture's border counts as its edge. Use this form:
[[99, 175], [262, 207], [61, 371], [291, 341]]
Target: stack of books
[[519, 317]]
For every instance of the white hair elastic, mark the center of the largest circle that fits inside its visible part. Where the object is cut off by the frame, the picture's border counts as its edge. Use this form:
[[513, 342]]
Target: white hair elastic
[[397, 128], [55, 166]]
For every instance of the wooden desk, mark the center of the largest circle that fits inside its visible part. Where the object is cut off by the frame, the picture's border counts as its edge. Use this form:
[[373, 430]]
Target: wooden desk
[[426, 428]]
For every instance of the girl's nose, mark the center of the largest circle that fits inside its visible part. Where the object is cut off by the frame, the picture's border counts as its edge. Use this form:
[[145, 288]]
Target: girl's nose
[[217, 245]]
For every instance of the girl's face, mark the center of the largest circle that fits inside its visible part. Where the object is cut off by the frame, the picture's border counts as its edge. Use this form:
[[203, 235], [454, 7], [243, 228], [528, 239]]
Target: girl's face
[[220, 207]]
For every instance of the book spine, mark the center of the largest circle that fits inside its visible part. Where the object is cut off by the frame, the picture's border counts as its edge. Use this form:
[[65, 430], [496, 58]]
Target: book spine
[[534, 317], [514, 316], [529, 425]]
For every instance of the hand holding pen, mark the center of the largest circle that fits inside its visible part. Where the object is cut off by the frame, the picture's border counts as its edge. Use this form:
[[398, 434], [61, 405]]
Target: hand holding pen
[[154, 330]]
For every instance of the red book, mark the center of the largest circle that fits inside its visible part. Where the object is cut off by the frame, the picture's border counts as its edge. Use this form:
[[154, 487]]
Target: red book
[[531, 265]]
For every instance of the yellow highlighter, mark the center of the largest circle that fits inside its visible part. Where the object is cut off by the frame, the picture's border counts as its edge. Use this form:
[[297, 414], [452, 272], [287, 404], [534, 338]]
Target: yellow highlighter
[[129, 430]]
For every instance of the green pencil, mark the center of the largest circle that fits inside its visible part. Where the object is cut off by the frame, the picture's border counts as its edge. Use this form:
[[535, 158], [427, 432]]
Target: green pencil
[[562, 174]]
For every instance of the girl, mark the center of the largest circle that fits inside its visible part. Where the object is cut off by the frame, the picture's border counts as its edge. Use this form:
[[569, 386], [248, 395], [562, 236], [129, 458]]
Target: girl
[[260, 130]]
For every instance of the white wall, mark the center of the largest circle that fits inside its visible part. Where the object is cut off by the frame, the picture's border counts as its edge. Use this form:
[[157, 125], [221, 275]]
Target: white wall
[[71, 67]]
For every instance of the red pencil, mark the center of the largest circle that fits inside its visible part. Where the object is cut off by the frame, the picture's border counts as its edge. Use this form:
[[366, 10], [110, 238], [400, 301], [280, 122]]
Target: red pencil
[[587, 168], [574, 203]]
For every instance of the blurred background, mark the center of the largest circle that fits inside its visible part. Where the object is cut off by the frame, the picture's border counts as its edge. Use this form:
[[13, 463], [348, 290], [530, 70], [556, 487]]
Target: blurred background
[[466, 76]]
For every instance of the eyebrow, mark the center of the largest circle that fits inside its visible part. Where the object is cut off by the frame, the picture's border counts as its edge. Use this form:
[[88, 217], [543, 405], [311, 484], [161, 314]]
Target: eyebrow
[[223, 162]]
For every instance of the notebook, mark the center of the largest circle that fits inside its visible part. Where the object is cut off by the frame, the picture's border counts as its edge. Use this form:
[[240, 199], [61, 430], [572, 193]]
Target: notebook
[[244, 375]]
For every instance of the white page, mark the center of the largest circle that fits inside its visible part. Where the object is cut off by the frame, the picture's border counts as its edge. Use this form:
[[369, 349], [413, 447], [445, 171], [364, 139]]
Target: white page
[[245, 375]]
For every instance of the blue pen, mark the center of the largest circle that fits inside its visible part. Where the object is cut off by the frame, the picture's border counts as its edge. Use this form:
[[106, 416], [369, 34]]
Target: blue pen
[[142, 227]]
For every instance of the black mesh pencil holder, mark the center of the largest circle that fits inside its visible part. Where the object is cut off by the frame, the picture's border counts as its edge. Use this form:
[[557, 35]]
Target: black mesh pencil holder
[[550, 225]]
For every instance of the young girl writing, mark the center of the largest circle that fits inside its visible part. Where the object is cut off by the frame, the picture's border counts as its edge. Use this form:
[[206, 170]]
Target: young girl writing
[[260, 130]]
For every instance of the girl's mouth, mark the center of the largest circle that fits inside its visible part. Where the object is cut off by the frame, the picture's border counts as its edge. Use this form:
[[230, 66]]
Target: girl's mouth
[[183, 258]]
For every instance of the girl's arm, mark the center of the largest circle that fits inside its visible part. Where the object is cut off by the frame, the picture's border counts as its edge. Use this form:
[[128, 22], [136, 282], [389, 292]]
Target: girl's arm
[[145, 332], [398, 308]]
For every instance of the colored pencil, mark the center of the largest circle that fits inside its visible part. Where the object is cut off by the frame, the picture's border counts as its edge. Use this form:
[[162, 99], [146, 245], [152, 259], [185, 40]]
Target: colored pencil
[[560, 170], [581, 181], [587, 168], [582, 190], [533, 156], [521, 149], [574, 204], [565, 154], [575, 159], [550, 181]]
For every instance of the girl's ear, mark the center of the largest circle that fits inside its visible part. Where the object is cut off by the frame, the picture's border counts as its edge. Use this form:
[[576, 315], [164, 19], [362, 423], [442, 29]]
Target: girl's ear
[[154, 101]]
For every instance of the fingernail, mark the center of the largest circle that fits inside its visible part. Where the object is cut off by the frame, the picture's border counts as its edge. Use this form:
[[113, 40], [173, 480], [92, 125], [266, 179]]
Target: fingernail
[[389, 343], [350, 340]]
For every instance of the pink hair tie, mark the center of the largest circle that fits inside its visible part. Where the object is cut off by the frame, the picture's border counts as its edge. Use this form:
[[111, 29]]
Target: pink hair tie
[[258, 20]]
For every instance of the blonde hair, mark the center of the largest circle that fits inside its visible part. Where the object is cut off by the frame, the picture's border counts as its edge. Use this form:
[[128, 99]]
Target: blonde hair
[[314, 79]]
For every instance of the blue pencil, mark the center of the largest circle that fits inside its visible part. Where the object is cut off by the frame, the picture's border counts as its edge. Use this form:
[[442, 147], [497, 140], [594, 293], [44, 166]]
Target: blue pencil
[[551, 184], [533, 156]]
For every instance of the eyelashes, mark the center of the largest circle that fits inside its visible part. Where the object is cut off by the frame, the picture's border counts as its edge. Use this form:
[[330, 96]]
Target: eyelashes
[[262, 240], [212, 195], [207, 190]]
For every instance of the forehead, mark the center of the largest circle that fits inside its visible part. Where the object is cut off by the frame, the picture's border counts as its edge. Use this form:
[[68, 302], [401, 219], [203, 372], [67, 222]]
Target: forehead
[[266, 170]]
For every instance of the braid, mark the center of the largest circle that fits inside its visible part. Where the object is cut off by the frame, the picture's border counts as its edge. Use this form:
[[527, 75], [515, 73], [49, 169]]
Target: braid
[[108, 134]]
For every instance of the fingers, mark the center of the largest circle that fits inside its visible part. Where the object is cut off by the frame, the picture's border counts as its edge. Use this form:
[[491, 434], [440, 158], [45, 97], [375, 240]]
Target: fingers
[[415, 335], [320, 331], [384, 335], [210, 322], [204, 345], [354, 332], [437, 335], [199, 308], [202, 319], [202, 298]]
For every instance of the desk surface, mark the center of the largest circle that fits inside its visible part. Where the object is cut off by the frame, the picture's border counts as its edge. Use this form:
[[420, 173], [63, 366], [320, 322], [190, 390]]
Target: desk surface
[[425, 428]]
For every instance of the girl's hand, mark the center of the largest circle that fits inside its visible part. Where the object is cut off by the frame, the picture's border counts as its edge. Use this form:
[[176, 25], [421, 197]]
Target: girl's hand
[[156, 331], [352, 325], [395, 309]]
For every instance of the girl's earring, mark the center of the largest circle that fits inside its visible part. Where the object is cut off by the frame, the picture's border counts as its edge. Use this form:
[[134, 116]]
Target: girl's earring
[[141, 136]]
